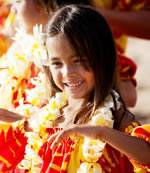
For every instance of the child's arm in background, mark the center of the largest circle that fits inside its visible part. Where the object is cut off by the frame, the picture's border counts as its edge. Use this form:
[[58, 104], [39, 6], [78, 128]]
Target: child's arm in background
[[133, 23]]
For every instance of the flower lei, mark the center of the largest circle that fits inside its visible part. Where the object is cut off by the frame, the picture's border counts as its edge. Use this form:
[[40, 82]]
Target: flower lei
[[92, 149], [49, 113], [22, 84]]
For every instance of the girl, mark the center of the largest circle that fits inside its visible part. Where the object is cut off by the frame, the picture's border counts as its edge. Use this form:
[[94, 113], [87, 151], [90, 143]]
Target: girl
[[127, 67], [82, 65], [57, 67]]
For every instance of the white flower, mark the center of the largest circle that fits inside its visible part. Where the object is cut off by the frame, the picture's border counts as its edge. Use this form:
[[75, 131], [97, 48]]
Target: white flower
[[89, 167], [20, 33], [92, 149], [25, 163], [39, 50], [37, 95], [109, 101], [26, 109], [37, 32]]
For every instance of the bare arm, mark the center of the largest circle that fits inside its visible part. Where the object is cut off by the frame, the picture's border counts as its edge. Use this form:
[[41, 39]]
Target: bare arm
[[9, 117], [128, 145], [133, 147], [136, 24]]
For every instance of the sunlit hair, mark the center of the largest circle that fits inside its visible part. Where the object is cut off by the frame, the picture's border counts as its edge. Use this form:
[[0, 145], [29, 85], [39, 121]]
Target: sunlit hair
[[91, 38]]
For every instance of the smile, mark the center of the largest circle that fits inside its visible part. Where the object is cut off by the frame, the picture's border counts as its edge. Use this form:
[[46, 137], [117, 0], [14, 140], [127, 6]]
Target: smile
[[73, 85]]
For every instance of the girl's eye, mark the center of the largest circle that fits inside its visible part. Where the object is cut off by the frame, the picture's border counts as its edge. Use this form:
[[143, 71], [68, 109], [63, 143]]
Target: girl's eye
[[77, 61], [56, 64]]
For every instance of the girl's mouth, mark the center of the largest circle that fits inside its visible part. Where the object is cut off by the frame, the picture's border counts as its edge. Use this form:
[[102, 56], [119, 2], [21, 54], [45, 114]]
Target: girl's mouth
[[74, 85]]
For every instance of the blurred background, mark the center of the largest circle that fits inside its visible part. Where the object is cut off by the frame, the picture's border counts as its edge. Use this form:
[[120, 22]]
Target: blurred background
[[139, 51]]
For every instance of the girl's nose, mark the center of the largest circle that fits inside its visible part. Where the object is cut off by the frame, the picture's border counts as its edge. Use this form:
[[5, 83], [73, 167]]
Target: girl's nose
[[68, 71]]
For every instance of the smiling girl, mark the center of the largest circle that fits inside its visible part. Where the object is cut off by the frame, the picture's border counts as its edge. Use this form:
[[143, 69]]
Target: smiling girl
[[81, 67]]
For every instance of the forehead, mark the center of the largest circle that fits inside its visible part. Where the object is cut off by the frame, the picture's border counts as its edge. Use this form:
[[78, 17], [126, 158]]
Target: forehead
[[59, 46]]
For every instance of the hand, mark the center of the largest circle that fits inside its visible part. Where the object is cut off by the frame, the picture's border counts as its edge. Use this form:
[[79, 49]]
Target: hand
[[93, 132], [9, 117]]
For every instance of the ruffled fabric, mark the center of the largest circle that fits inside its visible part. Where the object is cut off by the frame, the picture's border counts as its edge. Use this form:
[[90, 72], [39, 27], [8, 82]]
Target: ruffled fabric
[[135, 129], [57, 160], [144, 133], [67, 156], [12, 145], [127, 68]]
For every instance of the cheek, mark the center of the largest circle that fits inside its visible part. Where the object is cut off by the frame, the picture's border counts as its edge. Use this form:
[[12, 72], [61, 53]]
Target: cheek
[[53, 73], [91, 80], [57, 78]]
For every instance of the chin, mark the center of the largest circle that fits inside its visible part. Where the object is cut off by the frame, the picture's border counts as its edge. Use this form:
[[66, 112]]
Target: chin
[[76, 96]]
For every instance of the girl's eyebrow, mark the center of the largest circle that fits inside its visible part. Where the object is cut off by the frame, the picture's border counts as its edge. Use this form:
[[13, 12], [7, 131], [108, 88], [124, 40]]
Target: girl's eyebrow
[[57, 58], [54, 58]]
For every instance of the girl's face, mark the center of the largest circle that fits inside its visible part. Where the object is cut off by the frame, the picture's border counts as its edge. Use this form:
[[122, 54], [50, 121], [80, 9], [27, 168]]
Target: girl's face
[[30, 13], [67, 71]]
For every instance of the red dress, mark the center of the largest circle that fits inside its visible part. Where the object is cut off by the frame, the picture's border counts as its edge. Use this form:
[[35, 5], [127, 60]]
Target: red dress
[[65, 158]]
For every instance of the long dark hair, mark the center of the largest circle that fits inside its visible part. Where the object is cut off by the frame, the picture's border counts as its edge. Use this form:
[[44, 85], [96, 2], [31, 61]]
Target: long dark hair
[[90, 36]]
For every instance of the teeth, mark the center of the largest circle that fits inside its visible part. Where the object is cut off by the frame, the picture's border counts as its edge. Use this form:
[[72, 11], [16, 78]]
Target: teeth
[[74, 85]]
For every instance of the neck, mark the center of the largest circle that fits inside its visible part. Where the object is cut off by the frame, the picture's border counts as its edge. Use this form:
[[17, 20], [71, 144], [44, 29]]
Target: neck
[[76, 104]]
